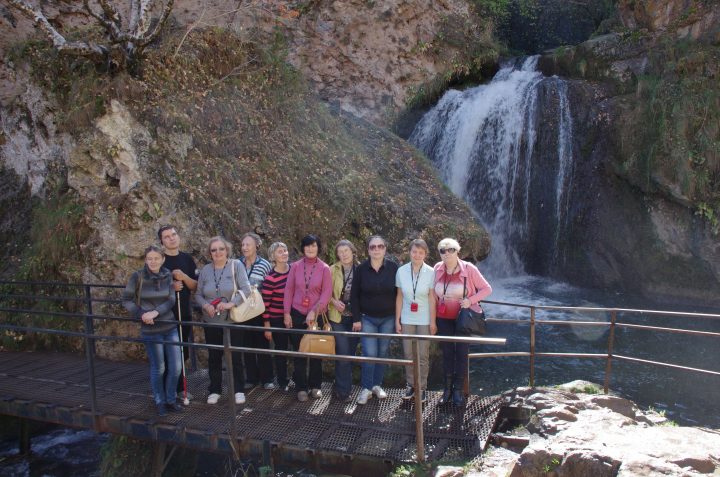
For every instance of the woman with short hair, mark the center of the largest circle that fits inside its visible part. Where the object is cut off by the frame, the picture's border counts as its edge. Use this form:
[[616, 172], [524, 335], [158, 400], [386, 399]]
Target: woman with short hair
[[415, 312], [258, 367], [340, 315], [373, 304], [458, 284], [307, 293], [214, 294], [149, 296], [273, 292]]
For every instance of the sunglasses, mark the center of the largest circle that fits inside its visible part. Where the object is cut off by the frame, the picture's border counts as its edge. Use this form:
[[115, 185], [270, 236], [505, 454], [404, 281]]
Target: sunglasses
[[376, 246], [220, 249], [443, 251]]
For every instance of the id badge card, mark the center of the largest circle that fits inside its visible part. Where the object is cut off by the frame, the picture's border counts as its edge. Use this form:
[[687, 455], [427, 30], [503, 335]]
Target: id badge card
[[413, 306], [306, 301], [442, 308]]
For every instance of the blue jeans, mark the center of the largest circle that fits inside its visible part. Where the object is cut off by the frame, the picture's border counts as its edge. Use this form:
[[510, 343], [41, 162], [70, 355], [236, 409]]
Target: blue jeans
[[158, 353], [345, 346], [372, 373]]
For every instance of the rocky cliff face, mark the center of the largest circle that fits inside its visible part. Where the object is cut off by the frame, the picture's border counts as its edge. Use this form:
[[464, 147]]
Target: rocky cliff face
[[369, 58], [646, 102]]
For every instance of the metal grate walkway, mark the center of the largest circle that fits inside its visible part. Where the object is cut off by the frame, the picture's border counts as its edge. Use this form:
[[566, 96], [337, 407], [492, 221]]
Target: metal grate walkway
[[54, 387]]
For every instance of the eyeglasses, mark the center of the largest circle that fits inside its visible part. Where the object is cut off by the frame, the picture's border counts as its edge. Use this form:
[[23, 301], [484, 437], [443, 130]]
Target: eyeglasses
[[220, 249], [376, 246], [443, 251]]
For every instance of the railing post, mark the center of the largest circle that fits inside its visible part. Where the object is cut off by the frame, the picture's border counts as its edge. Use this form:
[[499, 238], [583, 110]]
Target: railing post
[[90, 353], [611, 344], [231, 385], [532, 346], [419, 436]]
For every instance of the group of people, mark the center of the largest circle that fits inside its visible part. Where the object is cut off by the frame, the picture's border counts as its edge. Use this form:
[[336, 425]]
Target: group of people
[[373, 296]]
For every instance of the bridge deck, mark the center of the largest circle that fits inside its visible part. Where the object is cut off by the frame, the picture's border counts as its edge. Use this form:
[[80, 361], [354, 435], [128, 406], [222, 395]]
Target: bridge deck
[[54, 387]]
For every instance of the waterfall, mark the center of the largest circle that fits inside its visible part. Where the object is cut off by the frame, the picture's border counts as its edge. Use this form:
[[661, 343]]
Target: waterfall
[[506, 148]]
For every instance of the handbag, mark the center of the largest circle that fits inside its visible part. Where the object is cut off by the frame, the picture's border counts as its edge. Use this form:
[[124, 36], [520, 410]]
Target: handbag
[[318, 343], [251, 306], [469, 322]]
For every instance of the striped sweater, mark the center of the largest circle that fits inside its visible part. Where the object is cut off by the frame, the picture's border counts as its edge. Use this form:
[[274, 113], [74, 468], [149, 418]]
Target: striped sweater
[[273, 293]]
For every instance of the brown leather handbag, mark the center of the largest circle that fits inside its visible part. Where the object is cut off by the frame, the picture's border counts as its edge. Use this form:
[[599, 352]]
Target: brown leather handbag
[[318, 343]]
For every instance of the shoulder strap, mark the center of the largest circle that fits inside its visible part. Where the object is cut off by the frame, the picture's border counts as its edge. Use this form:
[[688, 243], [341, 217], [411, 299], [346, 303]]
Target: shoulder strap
[[232, 268], [464, 287], [138, 286]]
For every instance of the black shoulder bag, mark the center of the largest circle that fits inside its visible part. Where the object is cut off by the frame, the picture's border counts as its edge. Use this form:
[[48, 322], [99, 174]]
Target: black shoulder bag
[[469, 322]]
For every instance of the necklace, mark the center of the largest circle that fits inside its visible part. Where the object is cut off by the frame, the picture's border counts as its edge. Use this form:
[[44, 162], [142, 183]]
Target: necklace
[[217, 278]]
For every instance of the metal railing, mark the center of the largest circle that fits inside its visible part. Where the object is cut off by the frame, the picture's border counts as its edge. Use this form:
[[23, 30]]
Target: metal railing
[[85, 296], [612, 325]]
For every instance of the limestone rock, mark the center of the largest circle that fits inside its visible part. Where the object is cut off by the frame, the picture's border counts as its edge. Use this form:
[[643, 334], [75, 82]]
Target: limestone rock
[[608, 436]]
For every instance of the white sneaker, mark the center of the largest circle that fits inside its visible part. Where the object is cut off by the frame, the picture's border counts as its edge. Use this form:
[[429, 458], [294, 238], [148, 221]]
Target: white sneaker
[[379, 392], [213, 398], [269, 386], [315, 393], [364, 395], [239, 398]]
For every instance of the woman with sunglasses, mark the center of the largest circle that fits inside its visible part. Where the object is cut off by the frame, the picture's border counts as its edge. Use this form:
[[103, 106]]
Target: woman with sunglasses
[[214, 294], [458, 284], [372, 300]]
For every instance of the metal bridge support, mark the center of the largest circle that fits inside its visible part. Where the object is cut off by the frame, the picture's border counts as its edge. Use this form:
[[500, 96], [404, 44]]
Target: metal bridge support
[[24, 436]]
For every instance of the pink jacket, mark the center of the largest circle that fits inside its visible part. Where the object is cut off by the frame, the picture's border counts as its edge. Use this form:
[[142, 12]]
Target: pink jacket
[[319, 286], [477, 287]]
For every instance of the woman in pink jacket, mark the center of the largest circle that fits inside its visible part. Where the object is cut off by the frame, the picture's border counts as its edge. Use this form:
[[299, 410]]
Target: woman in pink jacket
[[458, 284]]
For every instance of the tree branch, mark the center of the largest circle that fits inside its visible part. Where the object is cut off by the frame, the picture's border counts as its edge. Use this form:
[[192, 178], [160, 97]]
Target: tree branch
[[160, 24], [111, 13], [78, 48]]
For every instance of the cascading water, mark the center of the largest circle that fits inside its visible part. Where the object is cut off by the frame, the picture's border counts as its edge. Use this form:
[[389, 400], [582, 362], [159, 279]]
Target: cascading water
[[506, 148]]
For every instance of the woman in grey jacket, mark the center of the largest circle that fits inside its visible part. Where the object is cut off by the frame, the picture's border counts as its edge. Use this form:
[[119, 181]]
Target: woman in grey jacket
[[214, 294], [149, 296]]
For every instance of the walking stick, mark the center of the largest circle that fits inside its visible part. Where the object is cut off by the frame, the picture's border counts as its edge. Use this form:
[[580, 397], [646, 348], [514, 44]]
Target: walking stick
[[186, 401]]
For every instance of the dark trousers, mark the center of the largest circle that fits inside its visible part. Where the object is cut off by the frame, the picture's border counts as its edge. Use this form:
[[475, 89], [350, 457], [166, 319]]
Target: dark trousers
[[258, 367], [300, 375], [214, 336], [454, 354], [280, 342]]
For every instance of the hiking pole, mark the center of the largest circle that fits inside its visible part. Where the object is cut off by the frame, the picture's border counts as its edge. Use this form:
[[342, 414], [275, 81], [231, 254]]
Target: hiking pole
[[186, 401]]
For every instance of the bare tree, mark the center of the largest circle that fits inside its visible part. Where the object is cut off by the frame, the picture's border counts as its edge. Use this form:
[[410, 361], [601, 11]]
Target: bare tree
[[123, 42]]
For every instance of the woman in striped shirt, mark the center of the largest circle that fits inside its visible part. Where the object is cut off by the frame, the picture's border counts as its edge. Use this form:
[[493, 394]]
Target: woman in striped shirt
[[273, 292], [258, 367]]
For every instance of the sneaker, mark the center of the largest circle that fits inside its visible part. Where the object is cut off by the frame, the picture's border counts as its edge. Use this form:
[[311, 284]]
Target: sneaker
[[181, 397], [379, 392], [239, 398], [269, 386], [213, 398], [302, 396], [364, 395], [285, 388], [315, 393], [174, 407], [409, 393], [162, 412]]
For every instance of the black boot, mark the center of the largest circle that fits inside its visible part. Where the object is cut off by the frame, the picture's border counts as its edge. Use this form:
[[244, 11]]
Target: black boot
[[447, 392], [458, 394]]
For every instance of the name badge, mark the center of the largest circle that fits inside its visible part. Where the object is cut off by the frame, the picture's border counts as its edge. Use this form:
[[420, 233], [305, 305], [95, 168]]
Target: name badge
[[306, 301], [413, 306]]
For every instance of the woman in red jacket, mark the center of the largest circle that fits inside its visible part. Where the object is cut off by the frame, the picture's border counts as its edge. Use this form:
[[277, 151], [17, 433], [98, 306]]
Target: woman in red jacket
[[458, 284]]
